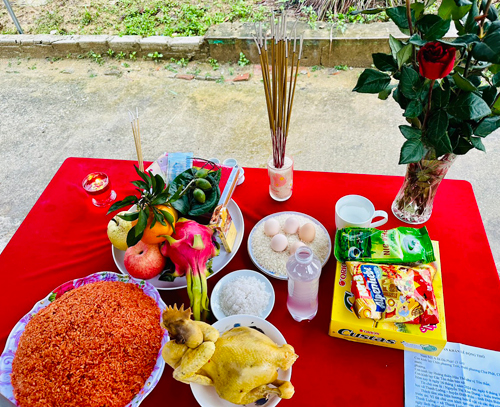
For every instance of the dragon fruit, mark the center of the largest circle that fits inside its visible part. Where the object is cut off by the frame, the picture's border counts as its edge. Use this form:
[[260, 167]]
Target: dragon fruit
[[190, 248]]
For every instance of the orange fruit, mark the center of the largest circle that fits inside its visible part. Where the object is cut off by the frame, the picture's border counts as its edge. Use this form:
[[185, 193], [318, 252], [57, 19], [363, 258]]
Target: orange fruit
[[156, 234]]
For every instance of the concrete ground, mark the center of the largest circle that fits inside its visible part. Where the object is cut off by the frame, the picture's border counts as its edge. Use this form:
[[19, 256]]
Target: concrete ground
[[53, 110]]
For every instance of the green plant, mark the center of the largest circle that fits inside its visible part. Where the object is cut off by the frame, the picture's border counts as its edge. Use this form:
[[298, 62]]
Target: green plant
[[213, 63], [220, 80], [243, 61], [183, 62], [315, 68], [170, 68], [231, 71], [341, 67], [449, 111], [121, 55], [132, 56], [155, 56], [49, 21], [125, 65], [111, 53], [97, 58], [86, 18]]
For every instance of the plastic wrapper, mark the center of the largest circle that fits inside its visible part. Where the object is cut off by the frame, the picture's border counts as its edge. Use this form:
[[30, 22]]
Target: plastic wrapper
[[394, 246], [394, 293]]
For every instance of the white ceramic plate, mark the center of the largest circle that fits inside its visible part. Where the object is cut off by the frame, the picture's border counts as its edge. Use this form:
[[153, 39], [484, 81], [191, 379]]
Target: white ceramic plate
[[273, 273], [215, 298], [218, 264], [206, 396]]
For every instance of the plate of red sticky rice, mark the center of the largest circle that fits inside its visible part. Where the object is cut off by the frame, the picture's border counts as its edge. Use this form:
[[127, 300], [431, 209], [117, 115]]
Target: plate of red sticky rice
[[93, 341]]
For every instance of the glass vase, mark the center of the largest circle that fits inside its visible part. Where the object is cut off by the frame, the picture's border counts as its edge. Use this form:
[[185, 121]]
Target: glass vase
[[280, 179], [414, 201]]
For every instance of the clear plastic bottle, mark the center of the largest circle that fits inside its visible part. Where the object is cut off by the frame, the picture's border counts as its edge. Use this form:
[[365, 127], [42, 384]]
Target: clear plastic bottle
[[303, 270]]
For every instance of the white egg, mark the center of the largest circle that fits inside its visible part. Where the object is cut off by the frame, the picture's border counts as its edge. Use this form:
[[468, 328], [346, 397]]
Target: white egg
[[295, 246], [279, 243], [271, 227], [307, 232], [291, 225]]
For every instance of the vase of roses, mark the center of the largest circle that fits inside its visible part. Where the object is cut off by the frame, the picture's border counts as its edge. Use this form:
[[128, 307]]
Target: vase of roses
[[448, 90]]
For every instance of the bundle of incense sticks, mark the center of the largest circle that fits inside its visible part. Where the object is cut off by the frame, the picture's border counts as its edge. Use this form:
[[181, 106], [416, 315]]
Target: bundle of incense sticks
[[277, 53], [136, 130]]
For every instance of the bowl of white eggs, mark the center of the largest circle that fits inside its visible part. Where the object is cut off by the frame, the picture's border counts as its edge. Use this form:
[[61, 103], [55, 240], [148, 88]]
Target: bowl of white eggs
[[276, 237]]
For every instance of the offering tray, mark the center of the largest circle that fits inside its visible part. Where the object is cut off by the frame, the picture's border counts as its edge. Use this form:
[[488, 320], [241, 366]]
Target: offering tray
[[218, 263]]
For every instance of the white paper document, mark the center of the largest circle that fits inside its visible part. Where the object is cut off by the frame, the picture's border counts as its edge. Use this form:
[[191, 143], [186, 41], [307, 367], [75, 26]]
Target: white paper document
[[461, 376]]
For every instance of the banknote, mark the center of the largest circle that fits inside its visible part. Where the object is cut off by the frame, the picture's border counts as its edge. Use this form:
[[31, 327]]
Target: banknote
[[177, 163]]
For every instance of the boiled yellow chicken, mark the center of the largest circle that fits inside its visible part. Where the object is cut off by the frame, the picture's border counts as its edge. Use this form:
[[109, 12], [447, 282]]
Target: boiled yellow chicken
[[242, 364]]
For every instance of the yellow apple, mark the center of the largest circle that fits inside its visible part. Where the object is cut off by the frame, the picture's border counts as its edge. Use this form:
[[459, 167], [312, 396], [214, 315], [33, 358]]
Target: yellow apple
[[118, 229]]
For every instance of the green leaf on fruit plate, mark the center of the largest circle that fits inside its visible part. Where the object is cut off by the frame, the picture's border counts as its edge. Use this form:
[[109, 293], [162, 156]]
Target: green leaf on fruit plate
[[129, 217], [477, 143], [142, 221], [463, 83], [487, 126], [384, 62], [372, 81], [410, 83], [414, 109], [468, 106], [132, 239], [411, 133], [128, 201]]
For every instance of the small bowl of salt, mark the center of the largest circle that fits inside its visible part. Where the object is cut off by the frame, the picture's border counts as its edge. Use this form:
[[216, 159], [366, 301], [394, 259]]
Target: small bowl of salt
[[242, 292]]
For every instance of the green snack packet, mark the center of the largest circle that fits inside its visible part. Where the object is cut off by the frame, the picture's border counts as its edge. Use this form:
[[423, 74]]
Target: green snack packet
[[393, 246]]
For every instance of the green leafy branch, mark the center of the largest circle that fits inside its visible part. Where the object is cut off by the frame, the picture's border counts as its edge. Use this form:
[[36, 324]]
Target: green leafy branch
[[152, 192], [450, 115]]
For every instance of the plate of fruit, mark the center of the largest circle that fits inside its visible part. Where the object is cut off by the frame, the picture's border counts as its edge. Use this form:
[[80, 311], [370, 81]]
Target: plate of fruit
[[162, 237]]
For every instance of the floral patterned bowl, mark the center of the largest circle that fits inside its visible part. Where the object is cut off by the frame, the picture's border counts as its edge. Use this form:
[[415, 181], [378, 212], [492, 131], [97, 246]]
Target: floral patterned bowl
[[13, 340]]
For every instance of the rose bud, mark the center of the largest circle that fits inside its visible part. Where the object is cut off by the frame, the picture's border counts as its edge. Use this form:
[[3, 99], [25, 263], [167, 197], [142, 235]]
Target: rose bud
[[436, 60]]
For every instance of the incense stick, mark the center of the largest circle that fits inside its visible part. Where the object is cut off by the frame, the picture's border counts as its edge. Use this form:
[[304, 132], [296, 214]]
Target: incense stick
[[278, 92], [134, 121]]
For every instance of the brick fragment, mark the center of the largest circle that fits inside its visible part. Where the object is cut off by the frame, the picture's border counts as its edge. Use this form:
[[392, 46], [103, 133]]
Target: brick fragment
[[242, 77], [185, 77]]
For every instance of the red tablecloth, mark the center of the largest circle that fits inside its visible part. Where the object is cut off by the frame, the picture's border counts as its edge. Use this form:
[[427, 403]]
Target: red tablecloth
[[64, 237]]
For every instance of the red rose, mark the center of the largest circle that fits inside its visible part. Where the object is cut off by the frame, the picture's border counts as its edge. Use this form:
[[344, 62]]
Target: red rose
[[436, 60]]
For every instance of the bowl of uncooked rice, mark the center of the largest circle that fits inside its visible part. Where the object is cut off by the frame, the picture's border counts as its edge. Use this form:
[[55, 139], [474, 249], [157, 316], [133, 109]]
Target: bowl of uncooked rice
[[262, 248]]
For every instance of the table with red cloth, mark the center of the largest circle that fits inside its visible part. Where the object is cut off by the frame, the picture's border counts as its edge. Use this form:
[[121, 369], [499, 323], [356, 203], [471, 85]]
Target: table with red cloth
[[64, 237]]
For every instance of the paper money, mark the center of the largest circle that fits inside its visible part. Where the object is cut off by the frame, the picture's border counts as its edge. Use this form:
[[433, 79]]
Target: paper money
[[178, 163]]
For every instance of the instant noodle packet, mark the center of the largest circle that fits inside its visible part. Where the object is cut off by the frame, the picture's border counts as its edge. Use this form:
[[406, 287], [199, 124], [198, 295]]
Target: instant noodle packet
[[428, 338], [394, 293], [393, 246]]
